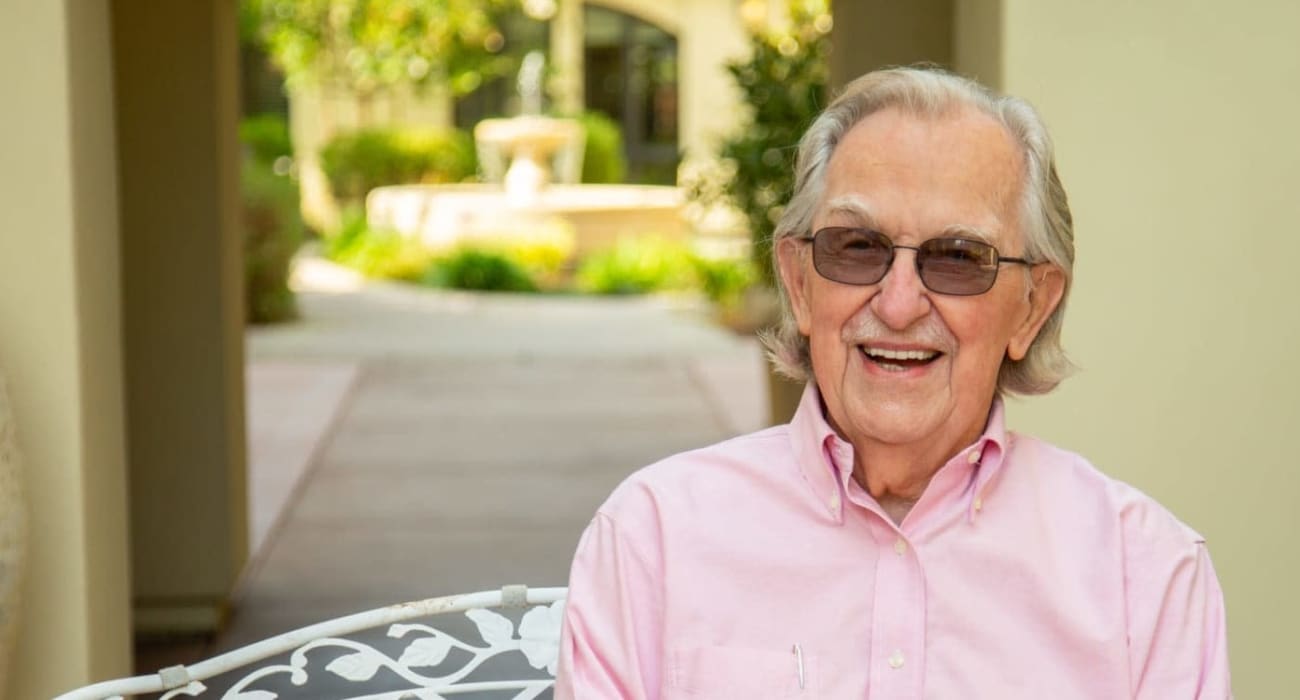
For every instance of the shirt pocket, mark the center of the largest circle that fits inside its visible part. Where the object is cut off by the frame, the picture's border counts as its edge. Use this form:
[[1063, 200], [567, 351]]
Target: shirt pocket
[[723, 673]]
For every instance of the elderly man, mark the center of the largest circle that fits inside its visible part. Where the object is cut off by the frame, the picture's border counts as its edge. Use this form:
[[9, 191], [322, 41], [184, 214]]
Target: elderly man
[[895, 540]]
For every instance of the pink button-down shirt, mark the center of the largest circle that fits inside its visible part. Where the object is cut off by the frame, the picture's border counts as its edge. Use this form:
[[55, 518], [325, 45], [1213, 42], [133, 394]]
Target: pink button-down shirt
[[758, 568]]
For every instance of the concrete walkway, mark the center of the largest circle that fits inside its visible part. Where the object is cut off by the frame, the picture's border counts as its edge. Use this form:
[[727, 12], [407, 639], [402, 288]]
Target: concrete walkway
[[408, 443]]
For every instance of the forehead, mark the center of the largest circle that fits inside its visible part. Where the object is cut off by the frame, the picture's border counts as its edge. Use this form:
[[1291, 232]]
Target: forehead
[[915, 176]]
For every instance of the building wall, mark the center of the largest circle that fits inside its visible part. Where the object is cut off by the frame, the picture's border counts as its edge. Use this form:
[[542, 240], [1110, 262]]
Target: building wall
[[60, 342], [711, 34], [1175, 123]]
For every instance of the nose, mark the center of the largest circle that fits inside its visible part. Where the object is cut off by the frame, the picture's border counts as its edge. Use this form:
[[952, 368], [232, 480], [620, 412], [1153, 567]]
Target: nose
[[901, 298]]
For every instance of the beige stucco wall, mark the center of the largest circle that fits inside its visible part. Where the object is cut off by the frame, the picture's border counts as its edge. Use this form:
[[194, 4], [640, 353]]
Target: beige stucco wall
[[1175, 124], [60, 339]]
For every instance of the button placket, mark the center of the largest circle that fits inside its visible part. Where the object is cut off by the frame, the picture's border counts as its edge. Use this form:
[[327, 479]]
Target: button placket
[[898, 618]]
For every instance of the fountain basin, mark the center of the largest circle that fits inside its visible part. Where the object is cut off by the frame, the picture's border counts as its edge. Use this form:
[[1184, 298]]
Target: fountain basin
[[446, 215]]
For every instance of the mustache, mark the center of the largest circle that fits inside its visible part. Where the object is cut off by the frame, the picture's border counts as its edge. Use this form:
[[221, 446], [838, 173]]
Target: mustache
[[928, 332]]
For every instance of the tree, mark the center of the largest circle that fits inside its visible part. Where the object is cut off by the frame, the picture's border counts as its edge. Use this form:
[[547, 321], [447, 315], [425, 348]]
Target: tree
[[367, 46], [784, 83]]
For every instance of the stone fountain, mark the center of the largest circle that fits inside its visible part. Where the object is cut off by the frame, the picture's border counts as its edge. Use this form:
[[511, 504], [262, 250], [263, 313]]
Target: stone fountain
[[530, 142], [531, 165]]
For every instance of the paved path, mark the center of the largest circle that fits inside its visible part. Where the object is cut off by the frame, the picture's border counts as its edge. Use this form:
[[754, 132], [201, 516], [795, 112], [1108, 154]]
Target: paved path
[[407, 443]]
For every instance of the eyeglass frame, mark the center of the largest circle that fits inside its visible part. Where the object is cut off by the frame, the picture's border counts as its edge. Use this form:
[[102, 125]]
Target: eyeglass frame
[[916, 258]]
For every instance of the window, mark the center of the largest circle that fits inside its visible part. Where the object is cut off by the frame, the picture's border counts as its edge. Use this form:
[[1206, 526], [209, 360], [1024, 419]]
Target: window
[[631, 75]]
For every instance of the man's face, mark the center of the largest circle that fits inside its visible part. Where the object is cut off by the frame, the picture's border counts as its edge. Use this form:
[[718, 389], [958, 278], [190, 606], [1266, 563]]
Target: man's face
[[915, 178]]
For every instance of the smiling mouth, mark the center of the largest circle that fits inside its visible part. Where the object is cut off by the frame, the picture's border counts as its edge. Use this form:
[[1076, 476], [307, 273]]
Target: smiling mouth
[[898, 360]]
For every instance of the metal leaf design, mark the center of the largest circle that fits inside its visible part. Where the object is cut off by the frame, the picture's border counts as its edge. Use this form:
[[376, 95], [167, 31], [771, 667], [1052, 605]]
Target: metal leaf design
[[539, 634], [425, 651], [354, 667], [497, 630]]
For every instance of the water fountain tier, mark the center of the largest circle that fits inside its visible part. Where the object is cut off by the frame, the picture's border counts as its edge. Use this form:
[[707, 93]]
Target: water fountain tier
[[528, 144]]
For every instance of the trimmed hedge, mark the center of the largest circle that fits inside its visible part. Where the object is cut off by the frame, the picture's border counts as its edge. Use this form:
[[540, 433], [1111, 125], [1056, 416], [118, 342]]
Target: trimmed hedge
[[603, 161], [356, 162]]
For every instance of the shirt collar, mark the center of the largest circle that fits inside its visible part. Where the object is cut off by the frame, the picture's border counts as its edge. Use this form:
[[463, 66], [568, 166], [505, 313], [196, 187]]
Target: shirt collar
[[825, 460]]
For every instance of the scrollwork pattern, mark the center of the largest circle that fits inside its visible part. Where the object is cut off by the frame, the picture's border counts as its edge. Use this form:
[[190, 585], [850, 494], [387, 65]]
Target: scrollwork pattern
[[537, 638]]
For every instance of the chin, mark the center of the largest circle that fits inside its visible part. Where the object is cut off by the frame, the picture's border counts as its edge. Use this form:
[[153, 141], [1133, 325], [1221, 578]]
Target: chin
[[894, 423]]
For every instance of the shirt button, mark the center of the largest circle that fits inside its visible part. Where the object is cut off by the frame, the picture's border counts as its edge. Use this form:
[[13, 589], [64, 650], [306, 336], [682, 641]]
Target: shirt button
[[979, 504], [896, 660], [834, 503], [900, 547], [973, 457]]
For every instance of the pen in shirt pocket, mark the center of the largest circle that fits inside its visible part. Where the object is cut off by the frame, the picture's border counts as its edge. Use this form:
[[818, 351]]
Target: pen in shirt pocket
[[798, 661]]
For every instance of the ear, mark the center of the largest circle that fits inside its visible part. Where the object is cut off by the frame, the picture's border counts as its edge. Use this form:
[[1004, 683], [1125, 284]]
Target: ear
[[792, 261], [1048, 286]]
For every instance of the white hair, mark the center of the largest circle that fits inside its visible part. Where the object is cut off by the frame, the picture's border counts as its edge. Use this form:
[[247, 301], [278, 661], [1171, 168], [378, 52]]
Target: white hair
[[1045, 213]]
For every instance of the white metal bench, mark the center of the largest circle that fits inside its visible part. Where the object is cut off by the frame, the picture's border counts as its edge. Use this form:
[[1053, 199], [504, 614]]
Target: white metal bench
[[416, 660]]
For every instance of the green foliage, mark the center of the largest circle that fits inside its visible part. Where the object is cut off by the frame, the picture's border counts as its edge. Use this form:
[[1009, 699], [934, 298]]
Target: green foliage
[[488, 264], [359, 161], [603, 159], [371, 45], [273, 231], [724, 280], [784, 82], [266, 136], [542, 249], [381, 254], [480, 270], [637, 266]]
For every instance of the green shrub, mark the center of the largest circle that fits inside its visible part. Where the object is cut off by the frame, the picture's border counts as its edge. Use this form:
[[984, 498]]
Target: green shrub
[[636, 266], [356, 162], [352, 229], [380, 254], [603, 160], [543, 249], [266, 136], [273, 231], [480, 270], [724, 280]]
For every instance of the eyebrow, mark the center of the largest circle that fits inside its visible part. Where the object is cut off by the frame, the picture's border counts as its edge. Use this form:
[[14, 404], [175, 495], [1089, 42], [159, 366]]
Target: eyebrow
[[855, 207]]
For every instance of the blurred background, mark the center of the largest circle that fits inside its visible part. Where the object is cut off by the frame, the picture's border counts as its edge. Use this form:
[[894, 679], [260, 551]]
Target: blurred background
[[313, 306]]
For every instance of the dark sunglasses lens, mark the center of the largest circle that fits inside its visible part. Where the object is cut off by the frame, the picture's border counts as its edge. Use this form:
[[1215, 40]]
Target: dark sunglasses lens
[[851, 255], [957, 265]]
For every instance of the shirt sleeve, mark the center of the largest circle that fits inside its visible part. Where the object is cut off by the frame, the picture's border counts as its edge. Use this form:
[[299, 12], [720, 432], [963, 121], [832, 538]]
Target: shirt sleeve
[[1178, 644], [611, 640]]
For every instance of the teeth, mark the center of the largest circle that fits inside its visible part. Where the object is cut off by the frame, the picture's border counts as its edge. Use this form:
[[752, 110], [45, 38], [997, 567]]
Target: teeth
[[901, 354]]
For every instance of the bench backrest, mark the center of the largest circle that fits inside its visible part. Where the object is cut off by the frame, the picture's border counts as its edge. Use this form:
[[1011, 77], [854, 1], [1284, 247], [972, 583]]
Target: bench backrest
[[383, 653]]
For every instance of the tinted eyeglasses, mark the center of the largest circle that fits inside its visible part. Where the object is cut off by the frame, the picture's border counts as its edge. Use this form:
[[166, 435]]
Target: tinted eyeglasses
[[955, 266]]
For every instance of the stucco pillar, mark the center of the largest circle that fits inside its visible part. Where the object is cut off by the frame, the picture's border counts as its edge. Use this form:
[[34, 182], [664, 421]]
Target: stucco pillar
[[176, 68], [566, 57], [709, 35], [60, 341], [871, 34]]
